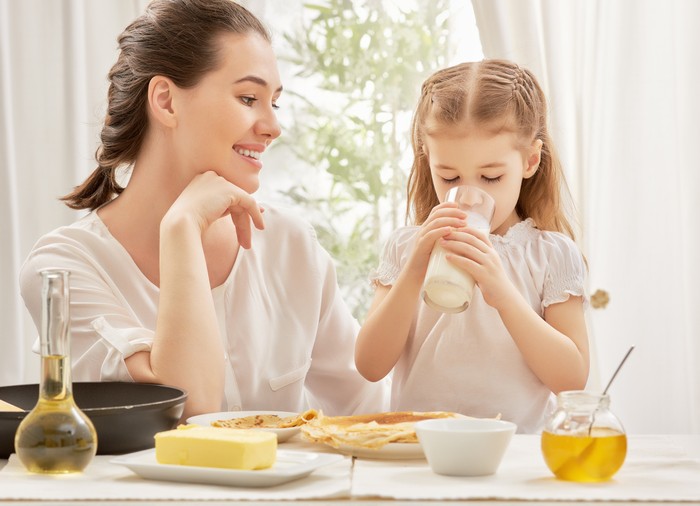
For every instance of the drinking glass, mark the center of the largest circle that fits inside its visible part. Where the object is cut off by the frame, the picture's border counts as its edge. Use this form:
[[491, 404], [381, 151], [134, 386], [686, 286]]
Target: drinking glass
[[446, 287]]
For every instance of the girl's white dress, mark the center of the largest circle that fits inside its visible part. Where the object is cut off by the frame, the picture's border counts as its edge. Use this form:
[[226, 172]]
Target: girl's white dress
[[467, 362], [288, 336]]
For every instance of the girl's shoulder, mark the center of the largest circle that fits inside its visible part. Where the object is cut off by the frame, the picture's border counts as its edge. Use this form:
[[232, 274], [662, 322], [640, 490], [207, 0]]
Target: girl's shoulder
[[401, 238], [404, 233], [526, 233], [540, 247]]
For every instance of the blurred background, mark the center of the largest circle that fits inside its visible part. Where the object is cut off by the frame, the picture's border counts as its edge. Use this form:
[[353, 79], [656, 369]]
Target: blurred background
[[621, 77]]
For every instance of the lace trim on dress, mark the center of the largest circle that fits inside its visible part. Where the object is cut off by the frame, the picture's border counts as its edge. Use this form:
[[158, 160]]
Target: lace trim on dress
[[518, 233]]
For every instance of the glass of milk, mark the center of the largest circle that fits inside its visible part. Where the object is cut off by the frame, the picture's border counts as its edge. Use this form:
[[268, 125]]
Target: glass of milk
[[446, 287]]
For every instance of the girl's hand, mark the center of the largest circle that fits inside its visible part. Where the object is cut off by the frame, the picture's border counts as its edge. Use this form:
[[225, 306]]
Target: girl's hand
[[209, 197], [443, 219], [471, 250]]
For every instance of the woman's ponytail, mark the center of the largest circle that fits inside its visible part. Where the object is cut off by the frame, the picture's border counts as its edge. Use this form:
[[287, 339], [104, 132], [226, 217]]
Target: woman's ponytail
[[99, 188]]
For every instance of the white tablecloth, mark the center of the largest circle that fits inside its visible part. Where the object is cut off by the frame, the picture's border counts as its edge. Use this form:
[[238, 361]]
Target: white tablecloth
[[657, 468], [102, 480]]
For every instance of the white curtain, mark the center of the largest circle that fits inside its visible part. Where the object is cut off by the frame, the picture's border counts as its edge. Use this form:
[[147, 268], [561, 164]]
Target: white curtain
[[54, 59], [622, 77]]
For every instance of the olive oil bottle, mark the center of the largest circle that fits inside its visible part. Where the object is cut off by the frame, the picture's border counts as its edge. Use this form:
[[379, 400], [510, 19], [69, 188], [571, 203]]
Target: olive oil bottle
[[56, 436]]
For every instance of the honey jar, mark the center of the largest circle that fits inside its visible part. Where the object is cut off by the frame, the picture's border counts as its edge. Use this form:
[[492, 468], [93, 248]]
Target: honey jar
[[583, 440]]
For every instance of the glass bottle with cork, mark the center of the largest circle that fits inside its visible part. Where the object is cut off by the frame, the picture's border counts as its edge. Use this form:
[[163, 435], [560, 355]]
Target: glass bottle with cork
[[55, 436]]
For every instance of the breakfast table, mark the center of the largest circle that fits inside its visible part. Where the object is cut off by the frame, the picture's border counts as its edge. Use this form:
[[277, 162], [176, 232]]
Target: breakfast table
[[658, 469]]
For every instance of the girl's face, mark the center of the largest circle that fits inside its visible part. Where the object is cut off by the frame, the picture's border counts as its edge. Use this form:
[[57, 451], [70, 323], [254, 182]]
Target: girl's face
[[496, 163], [228, 119]]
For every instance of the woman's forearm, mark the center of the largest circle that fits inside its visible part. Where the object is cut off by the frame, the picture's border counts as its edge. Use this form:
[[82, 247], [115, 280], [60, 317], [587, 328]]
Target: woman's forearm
[[187, 349]]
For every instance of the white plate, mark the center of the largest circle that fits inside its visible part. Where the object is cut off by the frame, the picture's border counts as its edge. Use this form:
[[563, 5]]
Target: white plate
[[391, 451], [290, 465], [282, 434]]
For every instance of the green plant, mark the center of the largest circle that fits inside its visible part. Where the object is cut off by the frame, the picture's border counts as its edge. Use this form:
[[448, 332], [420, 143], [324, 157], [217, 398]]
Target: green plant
[[362, 70]]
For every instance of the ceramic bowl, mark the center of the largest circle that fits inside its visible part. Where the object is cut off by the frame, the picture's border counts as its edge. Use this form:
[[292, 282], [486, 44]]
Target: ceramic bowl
[[464, 446]]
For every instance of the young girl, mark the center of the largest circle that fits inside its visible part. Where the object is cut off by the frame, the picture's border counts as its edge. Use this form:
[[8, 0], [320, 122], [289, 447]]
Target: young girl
[[523, 337], [178, 277]]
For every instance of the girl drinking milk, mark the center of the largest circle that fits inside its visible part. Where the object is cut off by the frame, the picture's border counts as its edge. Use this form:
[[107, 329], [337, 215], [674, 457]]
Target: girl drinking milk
[[523, 337]]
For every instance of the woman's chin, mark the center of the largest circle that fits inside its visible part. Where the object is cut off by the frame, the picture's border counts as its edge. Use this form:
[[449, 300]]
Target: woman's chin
[[250, 186]]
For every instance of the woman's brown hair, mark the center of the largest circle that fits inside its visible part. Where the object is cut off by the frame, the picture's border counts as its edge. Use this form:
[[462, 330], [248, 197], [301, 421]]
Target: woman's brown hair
[[175, 39], [487, 93]]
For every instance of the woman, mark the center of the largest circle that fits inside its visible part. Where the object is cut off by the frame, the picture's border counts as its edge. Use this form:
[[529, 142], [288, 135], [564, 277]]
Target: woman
[[180, 277]]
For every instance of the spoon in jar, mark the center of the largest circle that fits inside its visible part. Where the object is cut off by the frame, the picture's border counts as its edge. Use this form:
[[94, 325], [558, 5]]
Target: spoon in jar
[[590, 428], [618, 369]]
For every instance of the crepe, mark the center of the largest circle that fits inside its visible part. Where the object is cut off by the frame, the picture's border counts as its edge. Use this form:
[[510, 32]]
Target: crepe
[[266, 421], [371, 430]]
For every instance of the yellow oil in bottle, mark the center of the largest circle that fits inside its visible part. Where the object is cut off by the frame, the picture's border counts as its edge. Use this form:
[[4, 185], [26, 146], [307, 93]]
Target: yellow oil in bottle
[[56, 436], [585, 458]]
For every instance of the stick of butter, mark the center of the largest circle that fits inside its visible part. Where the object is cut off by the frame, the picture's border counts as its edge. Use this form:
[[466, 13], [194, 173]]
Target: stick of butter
[[192, 445], [6, 406]]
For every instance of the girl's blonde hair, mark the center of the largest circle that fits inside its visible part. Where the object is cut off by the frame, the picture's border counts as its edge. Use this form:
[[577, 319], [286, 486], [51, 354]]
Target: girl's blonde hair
[[487, 94]]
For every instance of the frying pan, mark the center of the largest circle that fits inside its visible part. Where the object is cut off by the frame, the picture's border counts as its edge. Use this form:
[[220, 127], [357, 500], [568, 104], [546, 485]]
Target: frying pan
[[125, 415]]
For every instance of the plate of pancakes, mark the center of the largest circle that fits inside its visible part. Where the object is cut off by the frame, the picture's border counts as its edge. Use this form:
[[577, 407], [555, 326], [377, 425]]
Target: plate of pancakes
[[283, 423], [388, 435]]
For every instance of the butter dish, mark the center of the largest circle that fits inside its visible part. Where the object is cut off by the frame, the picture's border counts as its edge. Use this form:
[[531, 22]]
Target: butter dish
[[290, 465]]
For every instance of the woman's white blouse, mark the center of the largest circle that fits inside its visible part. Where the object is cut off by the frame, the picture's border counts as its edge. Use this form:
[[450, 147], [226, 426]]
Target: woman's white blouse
[[467, 362], [288, 336]]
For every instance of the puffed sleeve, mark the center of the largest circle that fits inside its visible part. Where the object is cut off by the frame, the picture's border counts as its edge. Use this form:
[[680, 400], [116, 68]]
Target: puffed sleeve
[[565, 272], [104, 328], [333, 380], [394, 255]]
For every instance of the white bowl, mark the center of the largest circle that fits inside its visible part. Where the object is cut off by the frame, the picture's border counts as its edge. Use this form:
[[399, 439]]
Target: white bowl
[[464, 446]]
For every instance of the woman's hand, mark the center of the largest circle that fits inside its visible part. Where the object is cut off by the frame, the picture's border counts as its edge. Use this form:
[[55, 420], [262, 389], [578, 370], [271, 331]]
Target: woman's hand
[[209, 197], [471, 250]]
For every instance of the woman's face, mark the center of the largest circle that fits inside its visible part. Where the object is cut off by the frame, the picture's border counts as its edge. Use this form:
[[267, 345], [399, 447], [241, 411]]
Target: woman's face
[[496, 163], [228, 119]]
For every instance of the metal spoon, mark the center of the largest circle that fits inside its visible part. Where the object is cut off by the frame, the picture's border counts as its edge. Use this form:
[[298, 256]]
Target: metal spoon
[[618, 369], [590, 428]]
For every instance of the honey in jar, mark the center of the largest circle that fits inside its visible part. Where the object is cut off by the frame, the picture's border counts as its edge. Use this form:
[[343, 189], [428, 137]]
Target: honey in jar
[[583, 440]]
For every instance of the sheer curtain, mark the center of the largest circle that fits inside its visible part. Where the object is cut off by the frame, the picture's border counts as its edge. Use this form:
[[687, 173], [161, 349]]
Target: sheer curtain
[[622, 79], [54, 57]]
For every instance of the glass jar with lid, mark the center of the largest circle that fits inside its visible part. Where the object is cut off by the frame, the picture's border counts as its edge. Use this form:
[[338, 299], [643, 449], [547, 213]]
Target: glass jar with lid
[[583, 440]]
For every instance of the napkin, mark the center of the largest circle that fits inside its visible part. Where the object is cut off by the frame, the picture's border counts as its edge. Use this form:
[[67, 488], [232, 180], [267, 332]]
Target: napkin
[[103, 480], [656, 469]]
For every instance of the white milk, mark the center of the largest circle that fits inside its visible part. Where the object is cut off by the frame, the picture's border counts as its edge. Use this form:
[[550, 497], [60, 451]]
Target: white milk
[[446, 287]]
